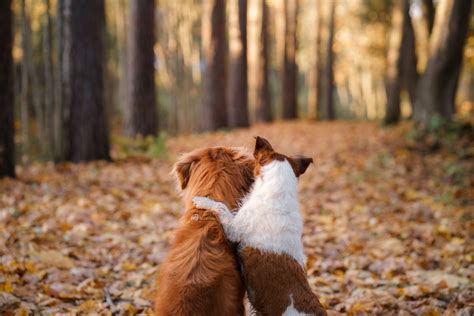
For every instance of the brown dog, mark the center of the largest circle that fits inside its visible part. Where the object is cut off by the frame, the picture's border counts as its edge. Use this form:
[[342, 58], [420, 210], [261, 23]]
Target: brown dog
[[200, 275], [268, 229]]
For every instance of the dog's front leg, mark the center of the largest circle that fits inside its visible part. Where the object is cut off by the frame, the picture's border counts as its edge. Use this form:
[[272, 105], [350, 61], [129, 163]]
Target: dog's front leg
[[225, 216]]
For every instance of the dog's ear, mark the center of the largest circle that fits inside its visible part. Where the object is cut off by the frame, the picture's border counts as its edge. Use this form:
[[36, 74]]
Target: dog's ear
[[300, 164], [183, 168], [261, 145]]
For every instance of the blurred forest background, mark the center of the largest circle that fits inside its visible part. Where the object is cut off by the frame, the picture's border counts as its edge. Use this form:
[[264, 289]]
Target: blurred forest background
[[86, 70], [379, 92]]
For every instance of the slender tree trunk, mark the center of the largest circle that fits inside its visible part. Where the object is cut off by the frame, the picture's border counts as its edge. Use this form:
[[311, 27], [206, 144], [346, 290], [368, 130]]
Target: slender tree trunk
[[140, 111], [289, 88], [7, 161], [315, 80], [437, 86], [258, 61], [25, 84], [238, 100], [48, 81], [409, 60], [59, 153], [214, 47], [429, 13], [88, 130], [327, 105]]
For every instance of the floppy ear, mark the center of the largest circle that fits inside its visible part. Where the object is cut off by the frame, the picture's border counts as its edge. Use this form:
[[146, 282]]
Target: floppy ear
[[183, 169], [300, 164], [261, 145]]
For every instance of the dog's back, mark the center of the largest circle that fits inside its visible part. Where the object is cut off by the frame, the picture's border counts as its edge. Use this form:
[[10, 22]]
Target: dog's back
[[200, 275]]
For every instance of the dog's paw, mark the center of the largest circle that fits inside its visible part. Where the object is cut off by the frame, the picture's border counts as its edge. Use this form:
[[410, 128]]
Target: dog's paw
[[204, 202]]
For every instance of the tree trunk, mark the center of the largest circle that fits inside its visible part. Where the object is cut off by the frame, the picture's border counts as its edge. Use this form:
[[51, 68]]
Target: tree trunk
[[409, 60], [7, 162], [25, 83], [59, 120], [289, 88], [327, 88], [33, 85], [88, 132], [140, 113], [437, 86], [258, 61], [429, 14], [48, 81], [214, 48], [315, 80], [394, 63], [238, 101]]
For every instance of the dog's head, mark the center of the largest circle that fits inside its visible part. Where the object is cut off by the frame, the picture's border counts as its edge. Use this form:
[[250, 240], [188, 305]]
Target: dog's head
[[264, 155], [221, 173]]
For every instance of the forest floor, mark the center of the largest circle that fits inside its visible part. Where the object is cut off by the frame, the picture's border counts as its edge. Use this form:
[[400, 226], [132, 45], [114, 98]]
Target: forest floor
[[387, 228]]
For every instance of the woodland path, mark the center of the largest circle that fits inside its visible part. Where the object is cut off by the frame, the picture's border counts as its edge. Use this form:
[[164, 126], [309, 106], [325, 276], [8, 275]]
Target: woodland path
[[386, 228]]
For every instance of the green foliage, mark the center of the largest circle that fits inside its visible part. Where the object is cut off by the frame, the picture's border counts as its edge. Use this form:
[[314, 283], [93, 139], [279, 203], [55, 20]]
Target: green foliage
[[441, 132], [153, 147]]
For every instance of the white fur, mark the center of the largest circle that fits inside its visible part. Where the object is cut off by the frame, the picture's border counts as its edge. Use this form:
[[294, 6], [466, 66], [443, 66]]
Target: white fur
[[269, 218], [292, 311]]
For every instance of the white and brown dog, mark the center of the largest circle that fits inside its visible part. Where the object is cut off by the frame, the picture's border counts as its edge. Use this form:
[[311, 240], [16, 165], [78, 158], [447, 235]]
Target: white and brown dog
[[268, 229]]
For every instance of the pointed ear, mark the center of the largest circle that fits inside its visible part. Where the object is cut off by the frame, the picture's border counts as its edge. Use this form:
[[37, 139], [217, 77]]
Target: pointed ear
[[261, 145], [183, 168], [300, 164]]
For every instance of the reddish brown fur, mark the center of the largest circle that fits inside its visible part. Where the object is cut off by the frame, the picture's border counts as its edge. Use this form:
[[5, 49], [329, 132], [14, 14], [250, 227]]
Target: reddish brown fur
[[272, 277], [200, 275]]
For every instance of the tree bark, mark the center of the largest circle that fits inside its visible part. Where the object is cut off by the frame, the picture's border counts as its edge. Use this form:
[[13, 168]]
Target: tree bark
[[409, 60], [215, 51], [34, 86], [258, 60], [315, 80], [7, 161], [394, 63], [59, 120], [429, 14], [437, 86], [25, 82], [289, 88], [238, 101], [88, 131], [140, 112], [48, 82], [327, 111]]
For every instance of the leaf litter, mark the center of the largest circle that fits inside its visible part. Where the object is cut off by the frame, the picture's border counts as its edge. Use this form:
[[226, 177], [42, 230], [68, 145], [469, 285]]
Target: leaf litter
[[388, 230]]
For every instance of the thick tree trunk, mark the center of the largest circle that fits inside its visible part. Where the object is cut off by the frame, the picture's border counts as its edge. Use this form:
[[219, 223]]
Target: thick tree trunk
[[394, 63], [437, 87], [88, 130], [140, 112], [401, 61], [258, 61], [327, 87], [238, 100], [7, 162], [289, 88], [215, 50], [34, 86]]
